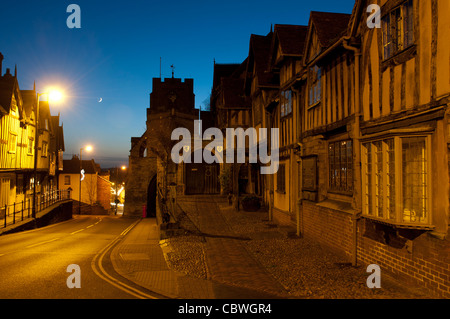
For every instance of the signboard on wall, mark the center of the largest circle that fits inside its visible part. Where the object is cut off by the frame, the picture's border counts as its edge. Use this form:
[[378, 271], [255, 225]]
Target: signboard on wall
[[309, 173]]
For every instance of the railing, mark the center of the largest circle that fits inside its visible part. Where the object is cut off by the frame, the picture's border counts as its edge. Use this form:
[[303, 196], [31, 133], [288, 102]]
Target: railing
[[13, 213]]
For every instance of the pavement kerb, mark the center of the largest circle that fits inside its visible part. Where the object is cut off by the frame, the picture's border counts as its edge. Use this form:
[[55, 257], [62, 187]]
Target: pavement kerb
[[118, 263]]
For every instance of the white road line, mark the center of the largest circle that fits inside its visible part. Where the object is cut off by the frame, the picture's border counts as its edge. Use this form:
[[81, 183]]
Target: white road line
[[89, 226], [42, 243], [77, 231]]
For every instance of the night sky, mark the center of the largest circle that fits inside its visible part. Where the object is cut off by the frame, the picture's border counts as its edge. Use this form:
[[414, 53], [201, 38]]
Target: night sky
[[117, 51]]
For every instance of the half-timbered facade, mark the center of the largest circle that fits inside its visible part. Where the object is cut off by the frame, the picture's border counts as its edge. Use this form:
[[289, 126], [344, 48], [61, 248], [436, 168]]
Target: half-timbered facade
[[364, 136], [405, 89], [17, 145], [285, 60]]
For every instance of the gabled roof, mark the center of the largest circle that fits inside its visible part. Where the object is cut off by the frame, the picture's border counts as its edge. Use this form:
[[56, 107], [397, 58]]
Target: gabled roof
[[223, 70], [8, 87], [73, 166], [291, 38], [29, 101], [258, 59], [329, 26], [233, 93], [59, 133]]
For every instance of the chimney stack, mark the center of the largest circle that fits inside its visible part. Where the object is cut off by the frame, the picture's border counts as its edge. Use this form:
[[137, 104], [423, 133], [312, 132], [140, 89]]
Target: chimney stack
[[1, 64]]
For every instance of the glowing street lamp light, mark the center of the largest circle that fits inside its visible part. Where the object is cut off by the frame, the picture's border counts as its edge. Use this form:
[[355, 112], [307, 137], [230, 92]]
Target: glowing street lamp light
[[53, 96], [87, 148], [116, 201]]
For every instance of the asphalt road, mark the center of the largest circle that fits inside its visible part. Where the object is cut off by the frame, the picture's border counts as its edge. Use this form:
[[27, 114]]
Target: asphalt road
[[33, 264]]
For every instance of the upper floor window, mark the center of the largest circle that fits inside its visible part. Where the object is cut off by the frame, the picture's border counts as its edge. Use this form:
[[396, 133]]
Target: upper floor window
[[398, 29], [12, 143], [30, 146], [44, 149], [315, 85], [67, 180], [286, 103]]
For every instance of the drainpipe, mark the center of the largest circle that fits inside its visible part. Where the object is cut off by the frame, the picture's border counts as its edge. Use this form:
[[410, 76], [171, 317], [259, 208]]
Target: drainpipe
[[356, 144]]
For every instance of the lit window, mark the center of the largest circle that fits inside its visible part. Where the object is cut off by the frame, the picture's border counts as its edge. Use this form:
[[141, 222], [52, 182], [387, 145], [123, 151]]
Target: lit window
[[30, 146], [395, 180], [398, 29], [44, 149], [340, 162], [12, 143]]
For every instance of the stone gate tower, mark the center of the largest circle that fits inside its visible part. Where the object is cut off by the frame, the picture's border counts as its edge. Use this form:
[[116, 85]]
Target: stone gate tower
[[171, 101]]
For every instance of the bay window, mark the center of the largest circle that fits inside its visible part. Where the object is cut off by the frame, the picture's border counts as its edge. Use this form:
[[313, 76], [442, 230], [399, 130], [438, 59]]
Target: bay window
[[396, 180]]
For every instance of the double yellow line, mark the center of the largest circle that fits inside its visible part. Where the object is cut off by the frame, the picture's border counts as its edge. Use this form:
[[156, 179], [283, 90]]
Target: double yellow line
[[97, 267]]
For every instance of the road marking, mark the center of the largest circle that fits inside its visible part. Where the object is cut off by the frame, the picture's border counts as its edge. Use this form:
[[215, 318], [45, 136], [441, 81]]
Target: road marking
[[129, 228], [89, 226], [77, 231], [97, 267], [42, 243]]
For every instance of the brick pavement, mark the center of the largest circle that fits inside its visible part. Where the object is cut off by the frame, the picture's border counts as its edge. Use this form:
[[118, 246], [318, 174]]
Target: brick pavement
[[227, 259], [232, 272]]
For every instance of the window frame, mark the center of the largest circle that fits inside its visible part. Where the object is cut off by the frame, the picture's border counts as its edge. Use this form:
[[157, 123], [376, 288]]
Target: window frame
[[286, 103], [314, 86], [30, 145], [349, 188], [281, 178], [12, 137], [67, 178], [392, 33], [44, 151], [369, 197]]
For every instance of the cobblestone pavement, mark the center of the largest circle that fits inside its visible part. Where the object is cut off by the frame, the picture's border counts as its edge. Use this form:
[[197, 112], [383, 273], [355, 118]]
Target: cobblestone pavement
[[244, 249]]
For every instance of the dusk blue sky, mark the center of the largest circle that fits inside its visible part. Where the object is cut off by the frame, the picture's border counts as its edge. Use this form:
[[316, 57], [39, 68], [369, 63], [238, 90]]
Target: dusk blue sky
[[117, 51]]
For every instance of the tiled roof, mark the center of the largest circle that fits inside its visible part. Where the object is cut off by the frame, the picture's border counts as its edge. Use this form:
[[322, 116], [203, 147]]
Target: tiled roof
[[7, 86], [73, 166], [29, 101], [260, 53], [291, 38], [233, 92], [329, 26], [223, 70]]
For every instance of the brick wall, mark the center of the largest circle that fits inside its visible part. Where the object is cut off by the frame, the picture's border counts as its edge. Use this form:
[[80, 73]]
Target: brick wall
[[104, 191], [414, 257]]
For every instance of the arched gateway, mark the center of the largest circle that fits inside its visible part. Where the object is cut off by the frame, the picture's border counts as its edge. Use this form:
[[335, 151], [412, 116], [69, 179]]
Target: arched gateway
[[172, 105]]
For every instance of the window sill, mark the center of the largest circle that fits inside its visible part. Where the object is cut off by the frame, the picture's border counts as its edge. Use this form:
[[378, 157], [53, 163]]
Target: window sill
[[400, 225], [338, 205], [314, 105], [399, 57]]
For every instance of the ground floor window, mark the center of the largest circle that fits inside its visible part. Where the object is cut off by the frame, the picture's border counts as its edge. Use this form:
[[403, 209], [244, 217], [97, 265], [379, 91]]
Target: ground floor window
[[395, 179], [340, 163]]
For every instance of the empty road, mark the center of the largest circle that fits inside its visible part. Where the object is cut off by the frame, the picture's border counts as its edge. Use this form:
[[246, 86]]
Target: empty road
[[33, 264]]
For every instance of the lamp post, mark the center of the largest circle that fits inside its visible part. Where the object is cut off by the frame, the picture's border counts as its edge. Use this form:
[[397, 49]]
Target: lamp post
[[88, 149], [117, 181], [54, 96]]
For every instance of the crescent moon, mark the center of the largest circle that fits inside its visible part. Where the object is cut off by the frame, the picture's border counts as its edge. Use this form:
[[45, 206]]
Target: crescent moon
[[100, 100]]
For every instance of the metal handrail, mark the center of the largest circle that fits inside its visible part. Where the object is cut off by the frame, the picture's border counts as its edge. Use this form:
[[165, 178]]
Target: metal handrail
[[19, 211]]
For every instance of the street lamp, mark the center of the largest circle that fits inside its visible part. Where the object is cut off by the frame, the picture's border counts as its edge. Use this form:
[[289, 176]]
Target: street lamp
[[87, 149], [54, 96], [117, 181]]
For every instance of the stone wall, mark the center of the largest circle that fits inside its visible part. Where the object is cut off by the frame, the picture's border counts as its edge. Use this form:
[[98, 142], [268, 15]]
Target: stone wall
[[141, 171]]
